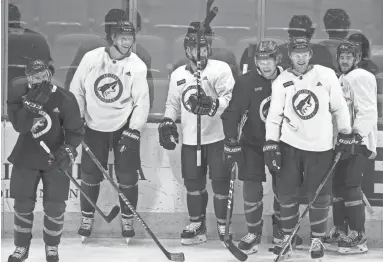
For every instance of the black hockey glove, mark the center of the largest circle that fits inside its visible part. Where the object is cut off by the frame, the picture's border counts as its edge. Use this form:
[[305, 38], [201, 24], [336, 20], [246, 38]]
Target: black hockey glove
[[205, 105], [345, 145], [232, 151], [37, 97], [65, 157], [129, 146], [166, 130], [273, 156]]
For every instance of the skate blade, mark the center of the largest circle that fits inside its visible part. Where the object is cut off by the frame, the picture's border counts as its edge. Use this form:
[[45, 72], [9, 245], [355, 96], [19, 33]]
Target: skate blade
[[355, 250], [284, 257], [83, 239], [194, 241], [250, 251], [127, 240]]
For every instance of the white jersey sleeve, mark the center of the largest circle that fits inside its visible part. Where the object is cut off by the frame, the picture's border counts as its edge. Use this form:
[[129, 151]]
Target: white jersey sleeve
[[338, 105], [276, 111], [141, 101], [224, 87], [173, 102], [77, 84]]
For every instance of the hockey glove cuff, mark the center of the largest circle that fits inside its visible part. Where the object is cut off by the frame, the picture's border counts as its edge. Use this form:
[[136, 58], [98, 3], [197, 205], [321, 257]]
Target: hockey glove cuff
[[65, 157], [204, 105], [37, 97], [345, 145], [168, 130], [273, 156], [232, 151]]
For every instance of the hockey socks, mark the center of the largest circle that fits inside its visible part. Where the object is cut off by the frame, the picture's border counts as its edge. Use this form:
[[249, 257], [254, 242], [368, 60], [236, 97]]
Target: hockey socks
[[131, 193], [339, 212], [53, 228], [355, 210], [92, 190], [253, 205], [22, 228], [197, 202]]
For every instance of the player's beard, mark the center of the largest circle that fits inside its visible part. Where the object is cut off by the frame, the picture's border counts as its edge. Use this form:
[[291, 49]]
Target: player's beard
[[203, 61]]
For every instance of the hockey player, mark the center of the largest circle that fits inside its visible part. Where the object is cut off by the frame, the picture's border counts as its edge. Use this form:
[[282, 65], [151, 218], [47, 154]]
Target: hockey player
[[111, 88], [251, 96], [40, 111], [365, 61], [217, 85], [360, 90], [299, 138]]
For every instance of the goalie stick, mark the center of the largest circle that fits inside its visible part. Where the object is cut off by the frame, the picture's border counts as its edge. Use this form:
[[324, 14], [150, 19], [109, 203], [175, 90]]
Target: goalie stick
[[237, 253], [112, 214], [170, 256], [321, 185]]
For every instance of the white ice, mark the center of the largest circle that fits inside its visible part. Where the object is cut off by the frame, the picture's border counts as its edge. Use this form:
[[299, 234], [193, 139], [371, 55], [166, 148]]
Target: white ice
[[115, 249]]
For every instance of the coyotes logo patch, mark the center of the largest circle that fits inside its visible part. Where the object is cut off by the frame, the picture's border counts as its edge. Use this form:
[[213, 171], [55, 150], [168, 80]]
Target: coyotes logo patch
[[108, 88]]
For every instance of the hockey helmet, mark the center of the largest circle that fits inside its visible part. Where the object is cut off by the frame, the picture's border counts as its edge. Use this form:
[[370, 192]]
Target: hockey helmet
[[299, 44], [266, 49], [362, 41], [348, 47], [336, 19], [35, 66], [117, 21], [301, 26]]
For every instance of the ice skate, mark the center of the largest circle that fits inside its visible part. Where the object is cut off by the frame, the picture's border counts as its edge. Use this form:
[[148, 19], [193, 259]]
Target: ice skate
[[20, 254], [249, 244], [317, 249], [86, 228], [354, 243], [221, 233], [334, 236], [194, 233], [52, 253], [287, 254], [127, 228], [278, 235]]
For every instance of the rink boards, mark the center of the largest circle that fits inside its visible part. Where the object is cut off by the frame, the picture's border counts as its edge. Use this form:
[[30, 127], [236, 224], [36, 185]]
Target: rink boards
[[162, 197]]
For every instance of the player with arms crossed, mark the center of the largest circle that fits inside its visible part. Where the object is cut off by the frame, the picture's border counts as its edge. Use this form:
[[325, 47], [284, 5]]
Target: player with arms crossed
[[251, 96], [217, 85], [360, 90], [299, 139], [111, 88], [40, 111]]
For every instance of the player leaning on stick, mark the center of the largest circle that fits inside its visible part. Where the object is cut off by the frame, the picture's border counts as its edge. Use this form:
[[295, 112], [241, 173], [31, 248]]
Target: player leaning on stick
[[111, 88], [40, 111], [299, 138], [217, 85], [251, 95], [360, 90]]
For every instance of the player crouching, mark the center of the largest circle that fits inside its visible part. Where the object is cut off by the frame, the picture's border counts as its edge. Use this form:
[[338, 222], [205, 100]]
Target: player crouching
[[360, 89], [40, 111], [217, 85]]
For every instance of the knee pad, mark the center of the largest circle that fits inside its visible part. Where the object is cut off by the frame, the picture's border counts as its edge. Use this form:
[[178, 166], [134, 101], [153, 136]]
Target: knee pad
[[90, 179], [24, 206], [220, 187], [194, 185], [252, 191], [54, 209], [352, 193], [128, 180], [322, 201]]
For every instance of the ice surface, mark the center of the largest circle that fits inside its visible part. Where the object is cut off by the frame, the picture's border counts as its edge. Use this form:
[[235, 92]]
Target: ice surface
[[144, 250]]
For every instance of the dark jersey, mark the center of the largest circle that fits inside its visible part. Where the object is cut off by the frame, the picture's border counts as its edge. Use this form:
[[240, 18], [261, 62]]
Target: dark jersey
[[101, 42], [247, 58], [252, 93], [370, 66], [61, 123]]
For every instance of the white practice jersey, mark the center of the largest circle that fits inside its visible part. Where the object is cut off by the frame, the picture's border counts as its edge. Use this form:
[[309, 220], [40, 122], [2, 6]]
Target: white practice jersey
[[216, 81], [108, 90], [302, 107], [360, 90]]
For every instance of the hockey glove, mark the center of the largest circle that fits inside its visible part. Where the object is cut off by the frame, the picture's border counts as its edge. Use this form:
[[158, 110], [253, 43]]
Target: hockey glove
[[129, 146], [232, 151], [204, 105], [166, 130], [37, 97], [346, 145], [65, 157], [273, 156]]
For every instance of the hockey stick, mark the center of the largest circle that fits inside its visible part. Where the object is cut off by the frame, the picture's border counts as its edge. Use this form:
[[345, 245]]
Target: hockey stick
[[237, 253], [367, 203], [108, 218], [250, 51], [209, 3], [321, 185], [170, 256]]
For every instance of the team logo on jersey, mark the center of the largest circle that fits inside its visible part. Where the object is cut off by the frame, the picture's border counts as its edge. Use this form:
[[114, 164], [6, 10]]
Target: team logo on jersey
[[189, 91], [305, 104], [264, 108], [41, 125], [108, 88]]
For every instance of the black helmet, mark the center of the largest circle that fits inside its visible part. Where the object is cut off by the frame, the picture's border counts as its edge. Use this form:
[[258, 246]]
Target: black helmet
[[363, 42], [301, 26], [35, 66]]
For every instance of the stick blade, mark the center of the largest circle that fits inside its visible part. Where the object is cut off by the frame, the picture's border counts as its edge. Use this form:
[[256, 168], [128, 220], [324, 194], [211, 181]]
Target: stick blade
[[176, 256], [113, 213], [237, 253]]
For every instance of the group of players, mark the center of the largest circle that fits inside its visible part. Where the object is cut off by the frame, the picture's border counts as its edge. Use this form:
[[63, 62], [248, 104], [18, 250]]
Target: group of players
[[297, 120]]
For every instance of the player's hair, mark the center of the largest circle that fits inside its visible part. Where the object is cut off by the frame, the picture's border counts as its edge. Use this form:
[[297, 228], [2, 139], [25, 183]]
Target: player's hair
[[337, 22], [301, 26]]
